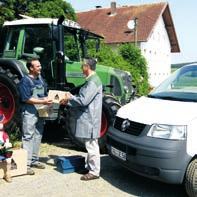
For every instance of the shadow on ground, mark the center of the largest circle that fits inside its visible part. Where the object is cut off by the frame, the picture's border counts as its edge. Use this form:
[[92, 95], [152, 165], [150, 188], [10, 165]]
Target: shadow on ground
[[134, 184], [53, 132]]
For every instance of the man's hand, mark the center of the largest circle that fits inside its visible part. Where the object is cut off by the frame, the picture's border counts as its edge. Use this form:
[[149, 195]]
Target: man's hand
[[68, 96], [46, 101], [64, 102], [43, 101]]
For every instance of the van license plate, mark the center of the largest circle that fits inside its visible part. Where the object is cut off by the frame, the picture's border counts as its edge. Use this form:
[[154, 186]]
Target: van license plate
[[121, 155]]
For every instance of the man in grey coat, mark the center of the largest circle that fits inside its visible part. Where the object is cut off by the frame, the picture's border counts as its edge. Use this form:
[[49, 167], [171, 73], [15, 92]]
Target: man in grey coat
[[88, 108]]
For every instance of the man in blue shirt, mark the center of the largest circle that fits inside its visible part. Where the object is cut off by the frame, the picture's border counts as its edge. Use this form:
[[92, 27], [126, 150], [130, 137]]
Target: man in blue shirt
[[33, 92]]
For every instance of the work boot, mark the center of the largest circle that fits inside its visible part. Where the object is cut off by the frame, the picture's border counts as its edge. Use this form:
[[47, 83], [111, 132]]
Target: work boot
[[30, 171], [38, 165]]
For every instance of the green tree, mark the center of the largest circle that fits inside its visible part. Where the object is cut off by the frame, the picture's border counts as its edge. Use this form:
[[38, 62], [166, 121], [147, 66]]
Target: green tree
[[6, 13], [10, 9], [51, 8]]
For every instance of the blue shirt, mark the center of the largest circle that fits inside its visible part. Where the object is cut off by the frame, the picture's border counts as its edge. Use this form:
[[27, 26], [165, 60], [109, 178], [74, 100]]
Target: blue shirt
[[26, 89], [26, 86]]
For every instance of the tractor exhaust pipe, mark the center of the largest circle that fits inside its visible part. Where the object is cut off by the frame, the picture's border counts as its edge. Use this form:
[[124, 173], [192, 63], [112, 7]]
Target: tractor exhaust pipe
[[60, 55]]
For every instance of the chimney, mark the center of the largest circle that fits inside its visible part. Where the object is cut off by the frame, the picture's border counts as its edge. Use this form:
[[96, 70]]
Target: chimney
[[113, 8]]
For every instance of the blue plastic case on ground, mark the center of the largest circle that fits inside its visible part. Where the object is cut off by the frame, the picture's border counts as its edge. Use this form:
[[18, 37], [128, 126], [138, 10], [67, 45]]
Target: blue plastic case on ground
[[68, 164]]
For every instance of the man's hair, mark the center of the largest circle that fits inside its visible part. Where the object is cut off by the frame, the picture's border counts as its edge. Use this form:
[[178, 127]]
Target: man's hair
[[29, 62], [91, 62]]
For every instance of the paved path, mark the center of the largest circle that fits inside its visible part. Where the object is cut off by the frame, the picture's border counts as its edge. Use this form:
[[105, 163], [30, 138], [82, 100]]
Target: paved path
[[114, 181]]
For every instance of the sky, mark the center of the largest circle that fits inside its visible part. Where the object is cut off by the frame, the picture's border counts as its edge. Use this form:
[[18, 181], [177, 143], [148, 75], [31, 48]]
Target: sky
[[184, 16]]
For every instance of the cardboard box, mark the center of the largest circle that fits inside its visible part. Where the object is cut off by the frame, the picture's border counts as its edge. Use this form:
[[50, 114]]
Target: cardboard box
[[56, 96], [50, 112], [20, 158]]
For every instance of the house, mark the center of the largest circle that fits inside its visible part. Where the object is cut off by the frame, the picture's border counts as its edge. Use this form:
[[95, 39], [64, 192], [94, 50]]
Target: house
[[154, 33]]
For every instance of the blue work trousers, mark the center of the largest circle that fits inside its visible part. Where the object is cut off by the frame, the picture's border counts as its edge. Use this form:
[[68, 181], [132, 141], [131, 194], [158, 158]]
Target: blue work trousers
[[32, 135]]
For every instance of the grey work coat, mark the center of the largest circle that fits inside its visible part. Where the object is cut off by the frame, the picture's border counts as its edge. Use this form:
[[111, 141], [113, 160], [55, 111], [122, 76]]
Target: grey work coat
[[87, 106]]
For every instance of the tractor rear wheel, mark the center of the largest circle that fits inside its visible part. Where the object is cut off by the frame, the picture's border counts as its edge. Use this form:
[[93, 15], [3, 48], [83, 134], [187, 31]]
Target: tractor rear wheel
[[109, 109], [9, 100]]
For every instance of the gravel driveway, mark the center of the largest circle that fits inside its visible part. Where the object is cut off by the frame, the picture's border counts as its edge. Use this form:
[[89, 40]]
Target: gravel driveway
[[114, 181]]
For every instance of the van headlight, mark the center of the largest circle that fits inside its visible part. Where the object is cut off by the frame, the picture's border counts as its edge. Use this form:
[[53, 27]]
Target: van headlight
[[172, 132]]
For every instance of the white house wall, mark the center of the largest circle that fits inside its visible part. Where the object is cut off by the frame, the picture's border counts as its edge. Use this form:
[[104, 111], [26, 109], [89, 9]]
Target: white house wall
[[157, 52]]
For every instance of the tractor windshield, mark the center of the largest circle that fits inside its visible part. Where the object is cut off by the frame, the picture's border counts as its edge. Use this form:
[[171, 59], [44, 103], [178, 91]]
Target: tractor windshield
[[35, 38], [72, 48], [78, 42]]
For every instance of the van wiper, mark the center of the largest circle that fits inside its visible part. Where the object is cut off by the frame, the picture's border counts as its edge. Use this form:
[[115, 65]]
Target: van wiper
[[152, 96], [164, 97], [172, 98], [178, 99]]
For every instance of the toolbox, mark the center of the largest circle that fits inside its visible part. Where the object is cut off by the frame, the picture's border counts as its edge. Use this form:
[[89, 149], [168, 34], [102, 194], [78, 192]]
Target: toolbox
[[68, 164]]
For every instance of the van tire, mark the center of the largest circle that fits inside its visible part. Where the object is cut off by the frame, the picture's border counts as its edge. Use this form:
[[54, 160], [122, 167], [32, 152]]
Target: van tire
[[191, 179]]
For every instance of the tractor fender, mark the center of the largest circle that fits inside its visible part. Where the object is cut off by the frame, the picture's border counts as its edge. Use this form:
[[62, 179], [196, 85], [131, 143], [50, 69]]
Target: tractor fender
[[14, 66]]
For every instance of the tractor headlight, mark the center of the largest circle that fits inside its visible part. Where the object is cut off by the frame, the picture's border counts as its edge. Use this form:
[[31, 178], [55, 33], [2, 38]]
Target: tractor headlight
[[126, 89], [172, 132]]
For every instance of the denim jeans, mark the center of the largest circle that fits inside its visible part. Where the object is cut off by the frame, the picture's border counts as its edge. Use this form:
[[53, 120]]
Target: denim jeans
[[32, 135]]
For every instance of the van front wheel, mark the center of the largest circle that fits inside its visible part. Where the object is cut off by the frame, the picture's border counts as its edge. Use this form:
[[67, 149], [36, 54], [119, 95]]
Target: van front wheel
[[191, 179]]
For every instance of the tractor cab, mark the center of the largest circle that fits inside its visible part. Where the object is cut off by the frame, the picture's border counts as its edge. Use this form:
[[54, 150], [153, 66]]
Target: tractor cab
[[42, 37]]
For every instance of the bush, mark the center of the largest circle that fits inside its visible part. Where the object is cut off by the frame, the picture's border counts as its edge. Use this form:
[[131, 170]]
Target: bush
[[138, 66], [128, 58]]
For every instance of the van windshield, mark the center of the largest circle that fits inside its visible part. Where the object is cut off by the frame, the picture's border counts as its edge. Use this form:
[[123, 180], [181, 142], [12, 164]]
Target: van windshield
[[180, 86]]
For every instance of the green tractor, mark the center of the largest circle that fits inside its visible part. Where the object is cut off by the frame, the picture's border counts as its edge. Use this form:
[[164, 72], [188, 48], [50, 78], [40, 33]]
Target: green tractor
[[60, 44]]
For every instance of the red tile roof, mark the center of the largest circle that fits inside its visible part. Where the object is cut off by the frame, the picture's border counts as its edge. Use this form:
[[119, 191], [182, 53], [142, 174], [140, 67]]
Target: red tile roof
[[114, 28]]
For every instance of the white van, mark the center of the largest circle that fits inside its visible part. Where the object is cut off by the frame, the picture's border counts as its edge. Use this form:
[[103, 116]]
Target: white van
[[156, 136]]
